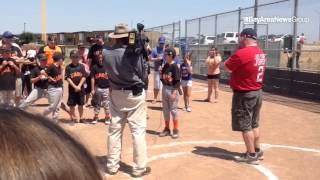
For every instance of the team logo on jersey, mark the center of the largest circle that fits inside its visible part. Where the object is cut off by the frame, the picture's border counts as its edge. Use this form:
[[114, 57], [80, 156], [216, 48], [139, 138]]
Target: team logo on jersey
[[101, 76], [76, 74], [167, 77]]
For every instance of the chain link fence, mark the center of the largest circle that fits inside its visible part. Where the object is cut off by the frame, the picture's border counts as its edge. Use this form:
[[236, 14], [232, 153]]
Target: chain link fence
[[287, 30], [172, 33]]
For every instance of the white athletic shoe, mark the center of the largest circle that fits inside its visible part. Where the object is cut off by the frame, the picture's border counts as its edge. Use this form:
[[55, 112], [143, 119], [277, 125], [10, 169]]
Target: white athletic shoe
[[188, 109]]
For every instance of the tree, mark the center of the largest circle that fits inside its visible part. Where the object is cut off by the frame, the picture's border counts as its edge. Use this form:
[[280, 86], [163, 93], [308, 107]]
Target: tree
[[27, 37]]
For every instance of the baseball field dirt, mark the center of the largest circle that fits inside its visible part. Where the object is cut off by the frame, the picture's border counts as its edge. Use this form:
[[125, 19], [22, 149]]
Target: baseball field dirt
[[289, 135]]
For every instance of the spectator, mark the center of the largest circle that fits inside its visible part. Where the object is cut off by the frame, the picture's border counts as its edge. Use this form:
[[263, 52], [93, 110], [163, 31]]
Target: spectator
[[156, 56], [34, 148], [186, 80], [50, 49], [213, 61]]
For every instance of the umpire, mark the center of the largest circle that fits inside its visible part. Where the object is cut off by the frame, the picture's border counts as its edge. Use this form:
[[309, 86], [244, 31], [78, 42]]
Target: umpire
[[127, 102], [247, 66]]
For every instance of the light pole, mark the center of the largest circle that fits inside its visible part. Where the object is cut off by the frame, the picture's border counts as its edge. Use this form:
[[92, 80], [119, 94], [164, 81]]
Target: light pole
[[318, 12], [24, 27]]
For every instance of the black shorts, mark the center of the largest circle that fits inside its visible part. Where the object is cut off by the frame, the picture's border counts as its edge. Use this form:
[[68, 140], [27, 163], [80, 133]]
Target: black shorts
[[213, 76], [246, 110], [76, 98], [88, 88]]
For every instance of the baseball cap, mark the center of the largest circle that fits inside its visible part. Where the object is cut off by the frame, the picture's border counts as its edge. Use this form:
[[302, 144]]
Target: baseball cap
[[7, 34], [249, 33], [57, 56], [42, 57], [170, 51], [74, 53], [162, 40]]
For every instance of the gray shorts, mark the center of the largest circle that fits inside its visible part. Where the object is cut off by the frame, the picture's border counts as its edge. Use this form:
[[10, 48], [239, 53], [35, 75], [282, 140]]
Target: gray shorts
[[246, 110]]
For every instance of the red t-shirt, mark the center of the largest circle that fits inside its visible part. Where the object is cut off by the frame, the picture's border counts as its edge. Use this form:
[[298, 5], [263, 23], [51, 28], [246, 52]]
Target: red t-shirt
[[248, 66]]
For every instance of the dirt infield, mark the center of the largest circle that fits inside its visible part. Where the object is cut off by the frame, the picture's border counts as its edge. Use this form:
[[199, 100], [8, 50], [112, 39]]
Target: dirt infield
[[289, 129]]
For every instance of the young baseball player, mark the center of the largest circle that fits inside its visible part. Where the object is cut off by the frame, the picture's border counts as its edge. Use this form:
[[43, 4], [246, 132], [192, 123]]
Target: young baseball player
[[170, 78], [55, 83], [100, 84], [76, 76], [39, 78], [8, 75], [186, 80]]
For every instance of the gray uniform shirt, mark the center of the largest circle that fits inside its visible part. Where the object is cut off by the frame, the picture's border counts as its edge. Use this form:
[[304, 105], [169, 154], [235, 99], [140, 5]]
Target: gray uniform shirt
[[124, 69]]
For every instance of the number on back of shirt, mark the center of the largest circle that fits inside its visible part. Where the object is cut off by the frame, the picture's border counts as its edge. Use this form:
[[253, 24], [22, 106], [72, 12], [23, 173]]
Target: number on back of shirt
[[260, 63]]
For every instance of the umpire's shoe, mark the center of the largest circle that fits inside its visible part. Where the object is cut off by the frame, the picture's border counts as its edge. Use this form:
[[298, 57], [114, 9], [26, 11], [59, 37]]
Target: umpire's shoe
[[145, 171]]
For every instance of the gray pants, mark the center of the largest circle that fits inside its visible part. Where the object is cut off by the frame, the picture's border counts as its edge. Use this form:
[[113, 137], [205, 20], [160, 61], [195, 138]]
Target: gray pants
[[102, 98], [7, 98], [54, 98], [169, 105], [35, 94], [245, 110], [132, 109]]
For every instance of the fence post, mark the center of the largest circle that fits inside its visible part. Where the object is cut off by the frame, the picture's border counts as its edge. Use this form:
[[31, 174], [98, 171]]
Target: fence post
[[198, 52], [179, 30], [215, 30], [255, 14], [294, 40], [239, 20], [173, 30]]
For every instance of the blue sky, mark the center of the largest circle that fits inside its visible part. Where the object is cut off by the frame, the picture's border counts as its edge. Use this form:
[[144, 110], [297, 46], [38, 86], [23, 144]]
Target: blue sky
[[80, 15]]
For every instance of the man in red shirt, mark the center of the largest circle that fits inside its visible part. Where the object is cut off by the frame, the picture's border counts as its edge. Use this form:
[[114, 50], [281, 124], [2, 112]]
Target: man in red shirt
[[247, 66]]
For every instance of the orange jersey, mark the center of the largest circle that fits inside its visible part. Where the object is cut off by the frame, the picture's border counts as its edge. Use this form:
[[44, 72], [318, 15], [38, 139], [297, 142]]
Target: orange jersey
[[49, 53]]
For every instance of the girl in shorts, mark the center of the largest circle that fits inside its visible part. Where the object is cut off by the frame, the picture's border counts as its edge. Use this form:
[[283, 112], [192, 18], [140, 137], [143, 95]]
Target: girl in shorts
[[213, 61], [186, 80]]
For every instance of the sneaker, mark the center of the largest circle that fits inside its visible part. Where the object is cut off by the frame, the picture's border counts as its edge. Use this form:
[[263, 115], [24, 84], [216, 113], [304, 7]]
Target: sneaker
[[112, 172], [246, 158], [188, 109], [95, 120], [107, 121], [82, 120], [165, 132], [260, 155], [137, 174], [175, 133]]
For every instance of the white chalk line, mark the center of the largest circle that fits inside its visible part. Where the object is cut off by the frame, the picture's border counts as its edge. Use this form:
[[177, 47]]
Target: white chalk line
[[264, 146], [265, 171], [268, 173]]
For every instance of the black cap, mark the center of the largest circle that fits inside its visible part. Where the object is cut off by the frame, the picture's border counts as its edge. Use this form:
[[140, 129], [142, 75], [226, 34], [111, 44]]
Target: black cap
[[249, 33], [57, 56], [73, 53], [42, 57], [171, 51]]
